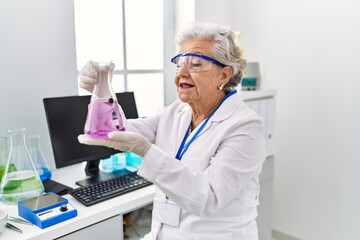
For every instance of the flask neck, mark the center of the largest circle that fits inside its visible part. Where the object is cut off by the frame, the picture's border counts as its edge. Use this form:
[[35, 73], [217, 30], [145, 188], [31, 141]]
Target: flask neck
[[19, 156], [17, 137], [103, 88]]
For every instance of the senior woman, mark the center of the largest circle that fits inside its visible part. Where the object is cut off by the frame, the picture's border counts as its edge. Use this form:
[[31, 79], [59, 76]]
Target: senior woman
[[204, 153]]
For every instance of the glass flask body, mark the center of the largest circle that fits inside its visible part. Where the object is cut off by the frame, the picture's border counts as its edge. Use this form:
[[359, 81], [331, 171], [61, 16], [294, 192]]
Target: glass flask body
[[104, 113], [38, 157], [21, 180], [3, 155]]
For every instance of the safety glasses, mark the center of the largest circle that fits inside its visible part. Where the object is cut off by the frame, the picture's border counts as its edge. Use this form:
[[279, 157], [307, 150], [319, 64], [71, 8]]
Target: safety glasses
[[194, 62]]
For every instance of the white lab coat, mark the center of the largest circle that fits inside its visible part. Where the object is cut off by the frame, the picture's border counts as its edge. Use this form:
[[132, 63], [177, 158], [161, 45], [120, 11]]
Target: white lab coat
[[216, 184]]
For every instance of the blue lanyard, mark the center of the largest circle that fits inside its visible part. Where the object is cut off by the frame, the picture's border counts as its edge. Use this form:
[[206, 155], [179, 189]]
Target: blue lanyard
[[184, 147]]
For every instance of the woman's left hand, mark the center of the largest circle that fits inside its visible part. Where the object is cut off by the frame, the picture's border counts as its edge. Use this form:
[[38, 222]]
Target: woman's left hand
[[123, 141]]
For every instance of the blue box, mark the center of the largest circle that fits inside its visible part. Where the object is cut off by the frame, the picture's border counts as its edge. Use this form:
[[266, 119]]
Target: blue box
[[133, 161], [46, 210]]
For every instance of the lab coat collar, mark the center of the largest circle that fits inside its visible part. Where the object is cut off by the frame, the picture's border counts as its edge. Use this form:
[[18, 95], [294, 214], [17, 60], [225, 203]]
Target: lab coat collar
[[225, 111], [227, 108]]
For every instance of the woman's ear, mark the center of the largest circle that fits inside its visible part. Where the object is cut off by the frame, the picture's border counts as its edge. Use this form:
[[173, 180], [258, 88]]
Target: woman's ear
[[226, 74]]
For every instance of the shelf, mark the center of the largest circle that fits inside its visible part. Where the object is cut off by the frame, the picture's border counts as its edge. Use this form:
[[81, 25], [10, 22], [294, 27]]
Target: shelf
[[258, 94], [135, 232], [137, 223]]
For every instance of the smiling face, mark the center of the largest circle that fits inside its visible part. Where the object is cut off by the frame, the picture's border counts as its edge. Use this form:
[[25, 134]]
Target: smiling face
[[200, 89]]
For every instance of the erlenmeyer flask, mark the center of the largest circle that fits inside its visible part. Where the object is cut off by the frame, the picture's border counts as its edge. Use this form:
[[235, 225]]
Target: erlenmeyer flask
[[104, 113], [21, 180], [3, 155], [38, 158]]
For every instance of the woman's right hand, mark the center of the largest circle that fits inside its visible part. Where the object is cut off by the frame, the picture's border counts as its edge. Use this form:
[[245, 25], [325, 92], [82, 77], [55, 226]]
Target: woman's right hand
[[88, 76]]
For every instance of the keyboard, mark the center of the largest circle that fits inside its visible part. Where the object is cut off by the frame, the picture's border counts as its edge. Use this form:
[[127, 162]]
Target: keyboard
[[101, 191]]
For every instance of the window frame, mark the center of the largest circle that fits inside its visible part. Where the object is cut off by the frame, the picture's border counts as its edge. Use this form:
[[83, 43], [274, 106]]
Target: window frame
[[169, 24]]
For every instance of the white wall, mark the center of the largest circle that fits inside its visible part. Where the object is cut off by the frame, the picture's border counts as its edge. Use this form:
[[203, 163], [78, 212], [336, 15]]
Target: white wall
[[310, 52], [317, 183], [37, 60], [213, 11]]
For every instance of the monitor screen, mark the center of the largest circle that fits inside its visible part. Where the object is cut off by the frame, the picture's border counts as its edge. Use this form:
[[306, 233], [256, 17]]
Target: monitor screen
[[66, 118]]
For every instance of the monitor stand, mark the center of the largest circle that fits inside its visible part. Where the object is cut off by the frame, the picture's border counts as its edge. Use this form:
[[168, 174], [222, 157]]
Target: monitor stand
[[96, 175]]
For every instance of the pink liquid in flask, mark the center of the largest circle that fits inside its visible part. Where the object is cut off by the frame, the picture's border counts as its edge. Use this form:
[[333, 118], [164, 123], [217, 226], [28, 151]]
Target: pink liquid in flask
[[103, 117]]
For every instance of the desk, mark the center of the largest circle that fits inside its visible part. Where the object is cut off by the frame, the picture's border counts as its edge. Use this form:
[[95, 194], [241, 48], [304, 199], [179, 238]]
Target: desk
[[87, 216]]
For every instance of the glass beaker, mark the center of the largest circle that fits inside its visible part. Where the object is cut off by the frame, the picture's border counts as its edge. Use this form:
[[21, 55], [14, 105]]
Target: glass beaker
[[38, 157], [104, 113], [3, 155], [21, 180]]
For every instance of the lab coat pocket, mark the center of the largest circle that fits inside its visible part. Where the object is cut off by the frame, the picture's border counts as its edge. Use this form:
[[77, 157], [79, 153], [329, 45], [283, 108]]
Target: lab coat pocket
[[252, 199], [252, 194]]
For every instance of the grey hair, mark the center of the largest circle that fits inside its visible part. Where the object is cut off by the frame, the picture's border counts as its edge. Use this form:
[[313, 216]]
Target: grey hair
[[225, 50]]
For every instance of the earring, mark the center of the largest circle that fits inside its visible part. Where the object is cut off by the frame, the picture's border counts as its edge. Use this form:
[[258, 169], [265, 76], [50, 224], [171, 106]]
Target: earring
[[221, 87]]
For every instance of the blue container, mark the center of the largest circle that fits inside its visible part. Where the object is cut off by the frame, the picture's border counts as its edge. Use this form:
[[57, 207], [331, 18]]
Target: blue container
[[133, 161]]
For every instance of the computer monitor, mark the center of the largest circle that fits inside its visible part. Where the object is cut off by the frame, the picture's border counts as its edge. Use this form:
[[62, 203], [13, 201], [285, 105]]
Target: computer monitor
[[66, 118]]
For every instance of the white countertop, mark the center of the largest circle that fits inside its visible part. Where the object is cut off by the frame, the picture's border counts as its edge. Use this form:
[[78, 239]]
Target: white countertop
[[86, 215]]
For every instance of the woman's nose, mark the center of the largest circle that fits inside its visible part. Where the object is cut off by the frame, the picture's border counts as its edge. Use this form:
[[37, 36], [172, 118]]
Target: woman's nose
[[182, 71]]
